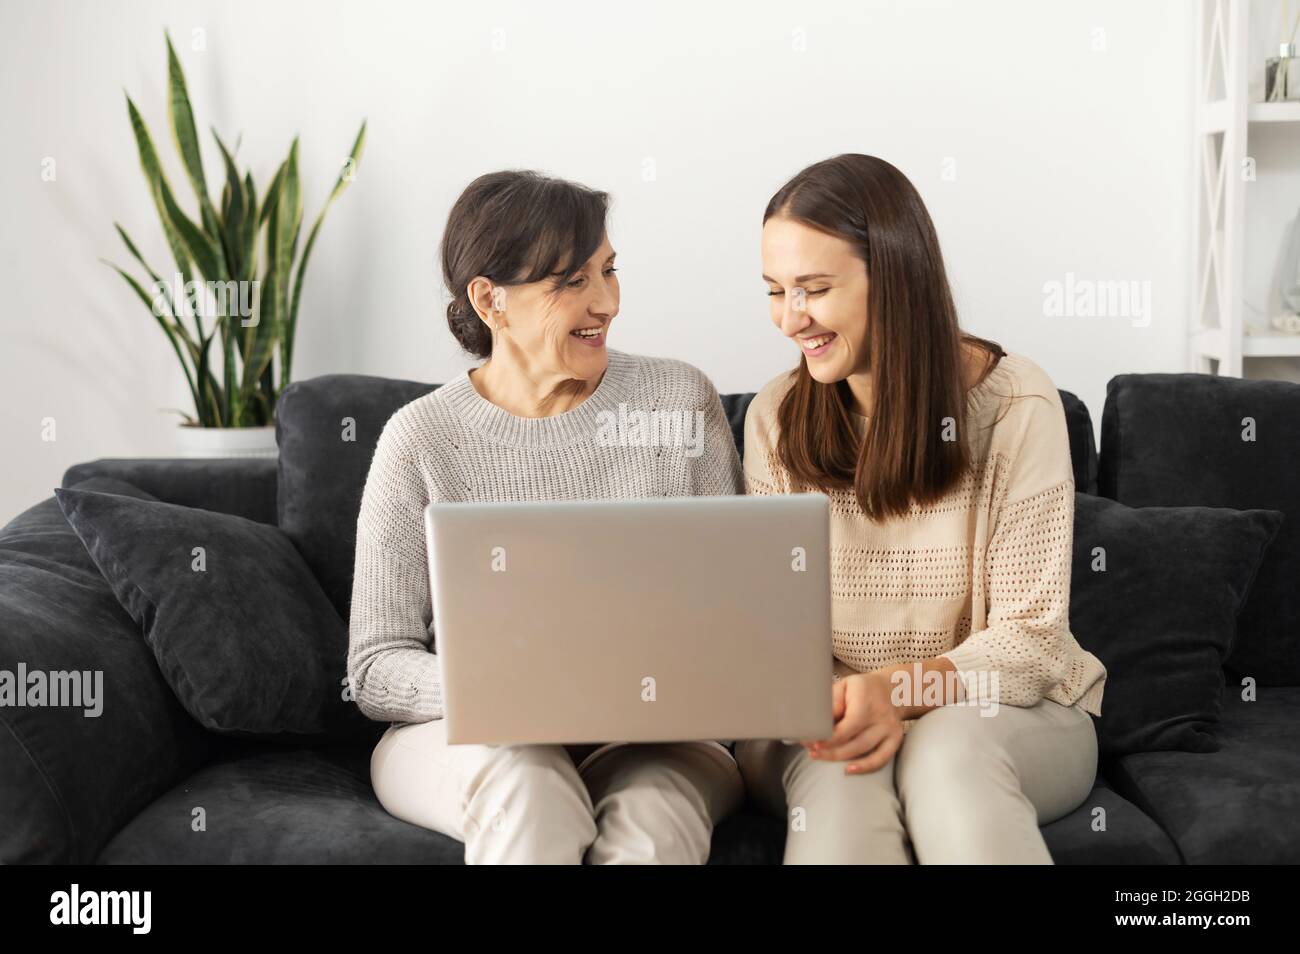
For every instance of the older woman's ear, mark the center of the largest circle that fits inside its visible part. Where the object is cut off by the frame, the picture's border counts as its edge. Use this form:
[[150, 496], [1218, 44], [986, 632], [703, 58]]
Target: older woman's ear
[[489, 301]]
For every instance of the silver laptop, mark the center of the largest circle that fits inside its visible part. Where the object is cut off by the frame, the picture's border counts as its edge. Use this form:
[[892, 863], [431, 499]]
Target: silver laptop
[[652, 620]]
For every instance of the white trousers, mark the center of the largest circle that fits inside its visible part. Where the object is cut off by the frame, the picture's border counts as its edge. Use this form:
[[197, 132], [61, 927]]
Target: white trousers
[[963, 788], [553, 804]]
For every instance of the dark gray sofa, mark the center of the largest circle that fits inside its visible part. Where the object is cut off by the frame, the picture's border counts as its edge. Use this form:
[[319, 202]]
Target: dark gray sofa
[[121, 788]]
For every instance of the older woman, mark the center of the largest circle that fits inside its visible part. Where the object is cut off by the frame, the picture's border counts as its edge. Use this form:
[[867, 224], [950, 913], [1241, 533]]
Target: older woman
[[532, 278]]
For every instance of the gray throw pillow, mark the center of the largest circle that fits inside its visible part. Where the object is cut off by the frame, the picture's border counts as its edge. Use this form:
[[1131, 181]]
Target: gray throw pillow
[[1162, 614], [240, 628]]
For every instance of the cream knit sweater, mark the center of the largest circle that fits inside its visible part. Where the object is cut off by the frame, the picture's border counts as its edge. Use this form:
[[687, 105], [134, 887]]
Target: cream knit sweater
[[982, 576], [453, 444]]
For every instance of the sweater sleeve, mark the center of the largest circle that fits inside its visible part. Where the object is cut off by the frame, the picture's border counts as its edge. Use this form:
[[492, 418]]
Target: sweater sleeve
[[395, 677], [1024, 651], [717, 469]]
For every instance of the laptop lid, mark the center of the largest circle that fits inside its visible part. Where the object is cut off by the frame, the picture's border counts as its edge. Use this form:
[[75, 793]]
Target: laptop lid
[[663, 619]]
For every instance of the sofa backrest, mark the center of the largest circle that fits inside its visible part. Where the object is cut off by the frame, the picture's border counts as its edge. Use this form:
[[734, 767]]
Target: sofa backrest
[[1198, 440], [327, 428]]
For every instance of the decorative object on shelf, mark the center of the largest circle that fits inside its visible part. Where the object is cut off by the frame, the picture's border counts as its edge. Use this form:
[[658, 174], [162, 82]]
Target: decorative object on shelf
[[1286, 323], [252, 304], [1282, 75], [1282, 72]]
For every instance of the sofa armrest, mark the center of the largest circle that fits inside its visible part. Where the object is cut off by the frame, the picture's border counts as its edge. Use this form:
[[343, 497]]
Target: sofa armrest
[[90, 732], [244, 486]]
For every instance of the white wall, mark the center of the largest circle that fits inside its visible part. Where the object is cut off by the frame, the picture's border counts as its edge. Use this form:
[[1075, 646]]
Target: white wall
[[1068, 159]]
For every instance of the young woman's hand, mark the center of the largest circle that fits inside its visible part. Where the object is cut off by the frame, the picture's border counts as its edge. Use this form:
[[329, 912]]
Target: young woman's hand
[[867, 731]]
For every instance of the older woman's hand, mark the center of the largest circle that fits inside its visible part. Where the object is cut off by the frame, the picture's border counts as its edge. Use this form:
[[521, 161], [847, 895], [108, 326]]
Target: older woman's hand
[[867, 731]]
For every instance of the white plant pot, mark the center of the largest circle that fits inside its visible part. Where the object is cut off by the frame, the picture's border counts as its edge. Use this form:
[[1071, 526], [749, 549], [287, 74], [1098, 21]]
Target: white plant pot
[[226, 441]]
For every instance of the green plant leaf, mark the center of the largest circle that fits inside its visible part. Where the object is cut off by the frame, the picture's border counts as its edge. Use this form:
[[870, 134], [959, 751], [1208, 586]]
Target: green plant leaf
[[154, 175], [291, 326], [259, 346], [289, 214], [202, 249], [187, 137], [171, 304], [211, 398], [248, 230], [176, 327], [248, 256], [234, 402], [232, 213], [272, 195], [287, 224], [167, 327]]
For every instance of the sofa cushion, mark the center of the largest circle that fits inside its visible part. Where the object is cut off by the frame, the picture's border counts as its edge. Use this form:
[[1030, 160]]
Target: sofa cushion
[[70, 779], [277, 805], [240, 629], [1154, 594], [1108, 829], [1236, 806], [267, 804], [1176, 440]]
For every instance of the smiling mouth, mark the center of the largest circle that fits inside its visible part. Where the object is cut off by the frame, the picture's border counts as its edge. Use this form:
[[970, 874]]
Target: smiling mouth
[[591, 337], [817, 343]]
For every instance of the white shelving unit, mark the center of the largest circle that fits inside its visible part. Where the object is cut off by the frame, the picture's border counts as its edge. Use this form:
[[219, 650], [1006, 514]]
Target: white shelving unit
[[1224, 117]]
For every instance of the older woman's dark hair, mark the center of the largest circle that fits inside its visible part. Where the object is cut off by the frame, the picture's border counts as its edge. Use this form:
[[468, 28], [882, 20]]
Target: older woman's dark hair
[[516, 227]]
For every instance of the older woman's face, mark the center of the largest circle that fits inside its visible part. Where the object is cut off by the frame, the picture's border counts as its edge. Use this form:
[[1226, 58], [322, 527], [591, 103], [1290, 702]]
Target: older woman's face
[[818, 293], [563, 333]]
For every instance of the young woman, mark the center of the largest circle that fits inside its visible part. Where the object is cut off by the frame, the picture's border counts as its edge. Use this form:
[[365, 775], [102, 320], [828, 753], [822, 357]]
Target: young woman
[[532, 278], [963, 703]]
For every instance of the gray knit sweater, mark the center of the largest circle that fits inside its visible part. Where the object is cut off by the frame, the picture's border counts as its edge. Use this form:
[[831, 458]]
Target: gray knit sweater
[[654, 427]]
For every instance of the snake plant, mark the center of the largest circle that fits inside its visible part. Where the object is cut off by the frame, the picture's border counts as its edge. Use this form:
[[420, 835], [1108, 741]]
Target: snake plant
[[237, 244]]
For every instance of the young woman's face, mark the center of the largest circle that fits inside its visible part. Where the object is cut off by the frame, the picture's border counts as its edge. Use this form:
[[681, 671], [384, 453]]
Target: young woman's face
[[818, 290], [562, 333]]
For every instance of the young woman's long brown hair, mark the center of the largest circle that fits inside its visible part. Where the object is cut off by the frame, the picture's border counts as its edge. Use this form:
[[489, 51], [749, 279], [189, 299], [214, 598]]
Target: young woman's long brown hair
[[914, 346]]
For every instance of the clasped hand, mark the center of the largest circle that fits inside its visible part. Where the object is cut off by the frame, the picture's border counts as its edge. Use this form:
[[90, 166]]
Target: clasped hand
[[867, 731]]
